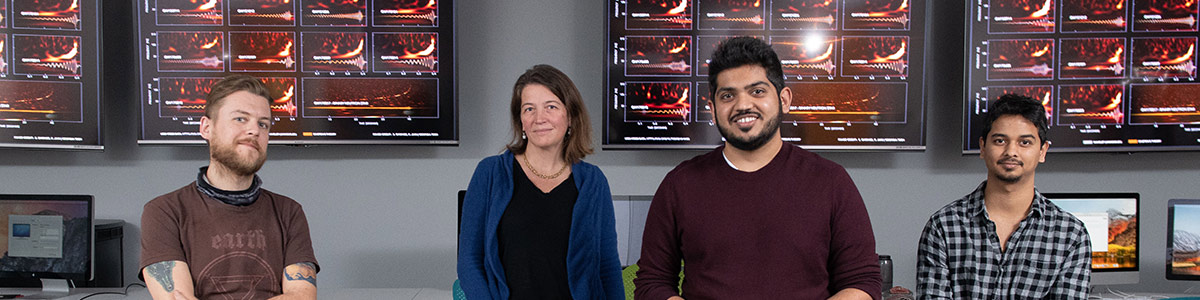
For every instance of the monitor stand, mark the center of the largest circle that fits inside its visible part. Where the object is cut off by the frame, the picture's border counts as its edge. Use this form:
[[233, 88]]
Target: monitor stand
[[51, 289]]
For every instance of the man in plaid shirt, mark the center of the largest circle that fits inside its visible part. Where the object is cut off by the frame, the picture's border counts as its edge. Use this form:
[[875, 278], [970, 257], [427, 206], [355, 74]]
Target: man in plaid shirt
[[1004, 240]]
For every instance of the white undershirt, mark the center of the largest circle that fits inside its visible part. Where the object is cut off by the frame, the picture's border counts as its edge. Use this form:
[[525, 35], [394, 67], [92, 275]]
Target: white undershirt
[[729, 162]]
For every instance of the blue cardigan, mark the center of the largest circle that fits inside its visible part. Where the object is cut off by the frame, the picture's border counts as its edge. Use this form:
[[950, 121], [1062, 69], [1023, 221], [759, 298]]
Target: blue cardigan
[[593, 265]]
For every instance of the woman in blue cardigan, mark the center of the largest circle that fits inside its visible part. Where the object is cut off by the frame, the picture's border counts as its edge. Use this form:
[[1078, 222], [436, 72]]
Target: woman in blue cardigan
[[537, 221]]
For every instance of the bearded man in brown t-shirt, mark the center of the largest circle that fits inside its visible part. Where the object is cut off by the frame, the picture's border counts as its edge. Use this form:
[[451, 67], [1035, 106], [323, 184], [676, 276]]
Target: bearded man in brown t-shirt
[[222, 236]]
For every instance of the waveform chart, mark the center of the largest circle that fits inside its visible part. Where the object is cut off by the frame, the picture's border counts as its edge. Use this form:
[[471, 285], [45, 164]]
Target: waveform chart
[[1092, 58], [703, 110], [3, 55], [1041, 93], [1164, 104], [731, 14], [262, 13], [333, 13], [1163, 57], [1094, 15], [370, 97], [1021, 16], [1095, 66], [284, 92], [811, 55], [182, 96], [705, 46], [191, 51], [658, 14], [877, 15], [842, 102], [1165, 15], [1020, 59], [658, 101], [804, 14], [46, 14], [405, 52], [875, 56], [1097, 104], [41, 101], [189, 12], [334, 51], [419, 13], [3, 14], [658, 55], [47, 55], [263, 51]]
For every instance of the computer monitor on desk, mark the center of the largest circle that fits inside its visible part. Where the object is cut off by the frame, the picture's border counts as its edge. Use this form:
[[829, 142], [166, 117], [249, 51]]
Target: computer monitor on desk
[[1112, 222], [1183, 239], [46, 238]]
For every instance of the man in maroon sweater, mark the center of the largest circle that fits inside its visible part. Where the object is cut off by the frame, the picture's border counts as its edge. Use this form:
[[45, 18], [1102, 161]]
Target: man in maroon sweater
[[757, 218]]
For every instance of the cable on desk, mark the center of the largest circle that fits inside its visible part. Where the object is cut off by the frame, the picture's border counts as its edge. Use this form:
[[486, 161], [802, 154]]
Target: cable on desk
[[126, 292], [1119, 295], [1189, 290]]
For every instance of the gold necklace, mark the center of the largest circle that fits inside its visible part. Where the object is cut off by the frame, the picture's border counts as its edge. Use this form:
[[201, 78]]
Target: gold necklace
[[539, 175]]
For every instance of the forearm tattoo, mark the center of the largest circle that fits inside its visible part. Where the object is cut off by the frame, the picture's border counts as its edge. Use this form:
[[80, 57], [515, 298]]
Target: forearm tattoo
[[161, 271], [301, 271]]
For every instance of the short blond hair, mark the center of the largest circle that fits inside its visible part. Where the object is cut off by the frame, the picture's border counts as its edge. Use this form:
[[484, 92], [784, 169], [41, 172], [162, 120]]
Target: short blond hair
[[233, 84]]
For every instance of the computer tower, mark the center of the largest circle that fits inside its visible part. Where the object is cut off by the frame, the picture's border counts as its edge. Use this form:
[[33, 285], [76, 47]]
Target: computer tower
[[109, 264]]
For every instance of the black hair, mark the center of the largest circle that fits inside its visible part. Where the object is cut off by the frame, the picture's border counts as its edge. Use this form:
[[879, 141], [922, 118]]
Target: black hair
[[1021, 105], [741, 51]]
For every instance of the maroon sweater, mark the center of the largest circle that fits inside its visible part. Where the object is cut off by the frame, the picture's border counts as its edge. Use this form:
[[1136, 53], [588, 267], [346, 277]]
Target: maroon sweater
[[795, 229]]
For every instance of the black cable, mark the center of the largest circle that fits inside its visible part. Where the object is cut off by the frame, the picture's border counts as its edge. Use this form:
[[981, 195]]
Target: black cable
[[126, 292]]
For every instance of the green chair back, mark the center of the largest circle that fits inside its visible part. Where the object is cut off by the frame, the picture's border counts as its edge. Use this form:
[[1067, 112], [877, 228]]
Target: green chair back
[[458, 292], [627, 276], [630, 272]]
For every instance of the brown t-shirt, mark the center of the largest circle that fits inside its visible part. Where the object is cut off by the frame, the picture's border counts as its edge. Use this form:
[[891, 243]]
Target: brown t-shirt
[[233, 252]]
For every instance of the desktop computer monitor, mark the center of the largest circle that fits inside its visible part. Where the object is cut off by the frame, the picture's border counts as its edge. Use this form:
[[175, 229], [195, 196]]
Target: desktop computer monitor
[[1112, 222], [1183, 239], [46, 238]]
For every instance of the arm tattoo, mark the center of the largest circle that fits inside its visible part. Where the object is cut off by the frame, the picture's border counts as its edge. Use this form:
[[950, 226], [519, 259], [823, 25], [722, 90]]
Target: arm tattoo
[[306, 271], [161, 271]]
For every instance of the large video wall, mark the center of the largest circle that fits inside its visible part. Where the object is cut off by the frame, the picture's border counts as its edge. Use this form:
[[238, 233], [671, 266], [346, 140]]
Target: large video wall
[[50, 74], [855, 68], [1116, 75], [340, 71]]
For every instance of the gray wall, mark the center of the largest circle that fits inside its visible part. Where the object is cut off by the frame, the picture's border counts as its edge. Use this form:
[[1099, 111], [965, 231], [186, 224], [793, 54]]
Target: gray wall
[[384, 216]]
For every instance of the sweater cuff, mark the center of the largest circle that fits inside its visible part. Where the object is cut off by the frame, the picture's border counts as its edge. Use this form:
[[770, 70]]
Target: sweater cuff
[[658, 293], [874, 290]]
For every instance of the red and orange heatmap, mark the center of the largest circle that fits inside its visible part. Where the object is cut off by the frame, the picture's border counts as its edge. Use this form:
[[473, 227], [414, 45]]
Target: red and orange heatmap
[[851, 65], [1111, 73], [338, 71], [49, 74]]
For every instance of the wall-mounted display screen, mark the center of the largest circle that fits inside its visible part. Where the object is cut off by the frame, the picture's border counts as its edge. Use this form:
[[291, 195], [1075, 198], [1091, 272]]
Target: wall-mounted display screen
[[855, 68], [1116, 75], [50, 74], [339, 72]]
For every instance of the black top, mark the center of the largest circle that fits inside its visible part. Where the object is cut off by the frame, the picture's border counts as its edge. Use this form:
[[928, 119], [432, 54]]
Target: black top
[[533, 235]]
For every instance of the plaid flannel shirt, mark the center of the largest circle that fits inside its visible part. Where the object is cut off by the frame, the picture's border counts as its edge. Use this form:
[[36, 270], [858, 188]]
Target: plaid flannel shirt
[[1049, 255]]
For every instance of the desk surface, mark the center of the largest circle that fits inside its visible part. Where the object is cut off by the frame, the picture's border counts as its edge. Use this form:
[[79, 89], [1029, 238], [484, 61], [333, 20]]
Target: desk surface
[[140, 293], [1119, 295]]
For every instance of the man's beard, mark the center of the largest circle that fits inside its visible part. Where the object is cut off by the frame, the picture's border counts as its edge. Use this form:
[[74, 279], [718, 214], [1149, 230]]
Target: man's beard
[[1008, 178], [227, 156], [753, 143]]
